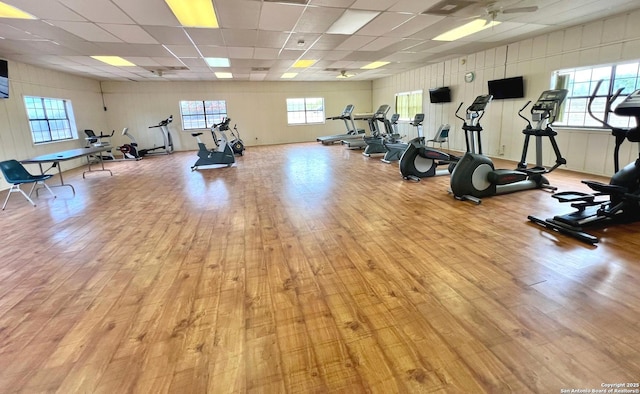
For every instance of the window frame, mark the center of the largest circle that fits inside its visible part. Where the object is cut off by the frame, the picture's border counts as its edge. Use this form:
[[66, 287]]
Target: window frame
[[208, 118], [58, 128], [414, 104], [575, 105], [306, 111]]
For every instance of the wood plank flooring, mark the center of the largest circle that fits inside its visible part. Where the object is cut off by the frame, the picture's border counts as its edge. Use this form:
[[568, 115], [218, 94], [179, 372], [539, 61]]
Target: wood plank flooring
[[307, 269]]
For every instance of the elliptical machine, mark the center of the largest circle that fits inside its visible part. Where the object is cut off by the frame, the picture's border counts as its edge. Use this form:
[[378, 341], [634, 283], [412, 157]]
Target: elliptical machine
[[623, 190], [395, 149], [222, 154], [237, 145], [419, 161], [167, 148], [475, 176]]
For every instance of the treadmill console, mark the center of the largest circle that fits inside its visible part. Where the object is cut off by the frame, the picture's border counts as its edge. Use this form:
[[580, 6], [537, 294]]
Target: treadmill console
[[347, 111]]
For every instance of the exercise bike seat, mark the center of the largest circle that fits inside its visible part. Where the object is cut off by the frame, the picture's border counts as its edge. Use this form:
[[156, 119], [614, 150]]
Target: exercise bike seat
[[505, 177], [606, 188], [195, 134]]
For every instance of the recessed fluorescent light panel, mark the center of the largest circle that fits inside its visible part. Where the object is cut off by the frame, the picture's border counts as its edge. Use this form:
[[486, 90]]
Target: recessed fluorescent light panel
[[194, 13], [220, 75], [374, 65], [466, 30], [9, 11], [304, 63], [217, 61], [352, 21], [114, 61], [288, 75]]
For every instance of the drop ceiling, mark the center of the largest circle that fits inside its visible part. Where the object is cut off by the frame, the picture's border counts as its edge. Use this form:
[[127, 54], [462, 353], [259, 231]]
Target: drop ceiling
[[263, 38]]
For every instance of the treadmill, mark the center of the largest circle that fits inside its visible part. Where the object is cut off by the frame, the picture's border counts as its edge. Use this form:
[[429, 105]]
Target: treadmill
[[372, 120], [352, 132]]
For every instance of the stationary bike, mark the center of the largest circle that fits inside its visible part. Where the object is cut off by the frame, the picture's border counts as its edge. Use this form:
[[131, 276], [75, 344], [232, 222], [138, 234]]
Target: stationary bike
[[222, 154], [167, 146], [419, 161], [475, 176], [623, 190], [129, 151]]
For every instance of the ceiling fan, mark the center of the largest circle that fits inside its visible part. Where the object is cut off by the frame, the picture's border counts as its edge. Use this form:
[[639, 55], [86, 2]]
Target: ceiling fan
[[493, 9], [344, 74]]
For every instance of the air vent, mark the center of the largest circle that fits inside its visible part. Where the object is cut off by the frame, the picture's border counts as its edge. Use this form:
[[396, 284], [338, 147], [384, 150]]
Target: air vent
[[260, 69], [299, 2], [448, 7], [332, 69]]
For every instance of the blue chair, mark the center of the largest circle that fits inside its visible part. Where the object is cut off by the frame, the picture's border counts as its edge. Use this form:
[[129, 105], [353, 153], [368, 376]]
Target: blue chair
[[15, 174]]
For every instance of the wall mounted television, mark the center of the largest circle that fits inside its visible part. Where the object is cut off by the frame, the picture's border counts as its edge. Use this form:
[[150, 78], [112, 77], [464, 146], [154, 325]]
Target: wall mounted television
[[506, 88], [440, 95], [4, 79]]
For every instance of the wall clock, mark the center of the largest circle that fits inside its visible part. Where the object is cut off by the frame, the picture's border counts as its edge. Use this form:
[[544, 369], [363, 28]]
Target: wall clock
[[469, 77]]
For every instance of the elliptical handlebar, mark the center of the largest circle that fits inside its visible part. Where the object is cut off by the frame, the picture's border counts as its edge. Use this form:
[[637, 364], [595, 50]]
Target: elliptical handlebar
[[456, 114], [520, 114], [610, 100]]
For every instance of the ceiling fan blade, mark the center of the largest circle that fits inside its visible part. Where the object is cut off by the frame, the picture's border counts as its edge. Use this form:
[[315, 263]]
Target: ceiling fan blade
[[520, 9]]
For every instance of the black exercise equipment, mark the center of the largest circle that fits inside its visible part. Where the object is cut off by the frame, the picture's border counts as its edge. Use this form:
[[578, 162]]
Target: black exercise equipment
[[623, 191], [475, 176], [420, 161]]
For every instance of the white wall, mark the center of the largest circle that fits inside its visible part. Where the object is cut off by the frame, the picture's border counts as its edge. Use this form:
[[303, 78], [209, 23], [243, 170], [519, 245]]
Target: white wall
[[258, 108], [26, 80], [606, 41]]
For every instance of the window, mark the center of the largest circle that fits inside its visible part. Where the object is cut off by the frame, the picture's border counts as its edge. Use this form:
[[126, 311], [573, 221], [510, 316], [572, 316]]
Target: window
[[202, 114], [581, 81], [408, 104], [305, 110], [50, 119]]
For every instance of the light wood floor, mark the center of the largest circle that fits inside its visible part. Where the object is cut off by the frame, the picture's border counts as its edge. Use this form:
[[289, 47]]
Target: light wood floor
[[306, 268]]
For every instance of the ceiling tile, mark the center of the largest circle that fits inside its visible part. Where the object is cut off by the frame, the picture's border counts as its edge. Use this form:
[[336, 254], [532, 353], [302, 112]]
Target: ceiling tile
[[373, 5], [384, 23], [122, 49], [355, 42], [205, 36], [317, 19], [147, 12], [88, 31], [131, 34], [99, 11], [239, 38], [183, 50], [168, 35], [240, 52], [279, 17], [230, 18]]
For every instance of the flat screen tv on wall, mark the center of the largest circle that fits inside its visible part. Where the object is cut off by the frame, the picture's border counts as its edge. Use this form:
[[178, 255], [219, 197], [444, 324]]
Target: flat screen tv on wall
[[4, 79], [440, 95], [506, 88]]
